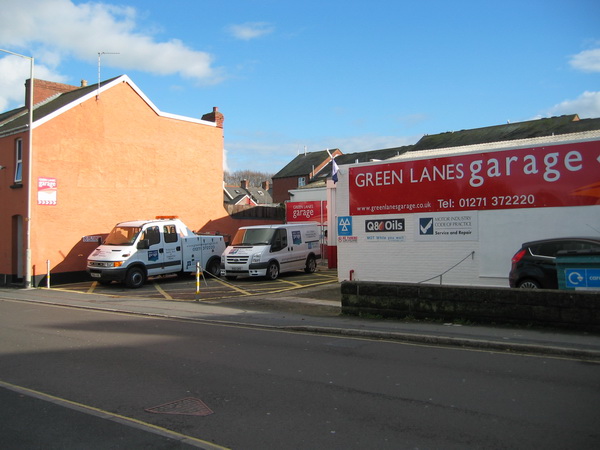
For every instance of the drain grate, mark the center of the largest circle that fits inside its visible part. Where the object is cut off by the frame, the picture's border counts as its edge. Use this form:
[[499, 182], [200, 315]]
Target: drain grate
[[189, 406]]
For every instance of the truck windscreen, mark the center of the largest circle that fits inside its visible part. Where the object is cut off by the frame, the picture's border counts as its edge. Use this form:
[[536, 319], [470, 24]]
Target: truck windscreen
[[122, 236], [254, 236]]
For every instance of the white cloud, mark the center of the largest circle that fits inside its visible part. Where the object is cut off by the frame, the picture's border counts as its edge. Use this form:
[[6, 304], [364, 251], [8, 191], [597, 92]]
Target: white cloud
[[83, 30], [225, 163], [587, 61], [586, 105], [250, 30]]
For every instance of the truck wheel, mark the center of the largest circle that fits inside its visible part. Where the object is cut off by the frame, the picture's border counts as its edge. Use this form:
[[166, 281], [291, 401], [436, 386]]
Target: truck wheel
[[135, 278], [214, 267], [311, 265], [272, 271]]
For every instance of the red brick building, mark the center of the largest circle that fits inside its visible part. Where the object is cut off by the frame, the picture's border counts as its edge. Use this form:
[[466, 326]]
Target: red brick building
[[301, 171], [101, 155]]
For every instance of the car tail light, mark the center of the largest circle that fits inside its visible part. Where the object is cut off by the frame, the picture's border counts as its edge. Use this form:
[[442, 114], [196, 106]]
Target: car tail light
[[518, 256]]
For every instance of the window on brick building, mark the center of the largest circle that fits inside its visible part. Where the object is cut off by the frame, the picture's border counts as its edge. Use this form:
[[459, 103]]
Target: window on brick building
[[301, 181], [19, 161]]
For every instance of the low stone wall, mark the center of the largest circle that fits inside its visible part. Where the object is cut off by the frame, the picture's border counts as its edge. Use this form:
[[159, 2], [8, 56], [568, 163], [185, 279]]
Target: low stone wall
[[557, 308]]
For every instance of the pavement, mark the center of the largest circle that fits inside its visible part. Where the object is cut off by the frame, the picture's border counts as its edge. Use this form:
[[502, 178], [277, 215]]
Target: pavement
[[318, 310]]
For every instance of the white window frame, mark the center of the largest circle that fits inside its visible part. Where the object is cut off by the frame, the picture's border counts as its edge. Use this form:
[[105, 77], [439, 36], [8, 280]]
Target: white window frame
[[19, 160], [301, 181]]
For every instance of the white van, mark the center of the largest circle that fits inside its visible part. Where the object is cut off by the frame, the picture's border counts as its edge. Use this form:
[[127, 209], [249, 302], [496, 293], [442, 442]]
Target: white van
[[268, 250], [138, 249]]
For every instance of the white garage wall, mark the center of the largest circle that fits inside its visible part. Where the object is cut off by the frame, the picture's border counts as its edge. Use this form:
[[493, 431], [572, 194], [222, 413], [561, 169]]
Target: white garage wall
[[485, 259]]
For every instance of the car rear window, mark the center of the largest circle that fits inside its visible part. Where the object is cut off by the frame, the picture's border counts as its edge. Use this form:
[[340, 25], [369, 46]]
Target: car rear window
[[551, 248]]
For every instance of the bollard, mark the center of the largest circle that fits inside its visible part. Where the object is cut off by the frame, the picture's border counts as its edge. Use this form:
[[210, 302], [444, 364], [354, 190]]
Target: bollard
[[48, 274], [198, 270]]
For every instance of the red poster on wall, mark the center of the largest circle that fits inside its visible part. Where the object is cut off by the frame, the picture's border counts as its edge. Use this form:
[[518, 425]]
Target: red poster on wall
[[557, 175], [313, 211]]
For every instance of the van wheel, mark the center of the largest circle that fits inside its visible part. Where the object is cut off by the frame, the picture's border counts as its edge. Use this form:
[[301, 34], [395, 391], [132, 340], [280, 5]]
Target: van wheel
[[311, 265], [272, 271], [135, 278]]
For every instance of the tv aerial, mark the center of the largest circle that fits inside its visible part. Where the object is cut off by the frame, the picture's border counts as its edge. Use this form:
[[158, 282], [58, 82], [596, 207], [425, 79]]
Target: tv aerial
[[99, 58]]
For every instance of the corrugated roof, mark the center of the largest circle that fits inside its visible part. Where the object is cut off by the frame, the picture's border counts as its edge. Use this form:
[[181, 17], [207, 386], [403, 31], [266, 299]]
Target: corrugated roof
[[501, 145], [508, 132]]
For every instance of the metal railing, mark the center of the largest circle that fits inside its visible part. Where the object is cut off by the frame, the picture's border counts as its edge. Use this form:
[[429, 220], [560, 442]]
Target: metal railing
[[441, 275]]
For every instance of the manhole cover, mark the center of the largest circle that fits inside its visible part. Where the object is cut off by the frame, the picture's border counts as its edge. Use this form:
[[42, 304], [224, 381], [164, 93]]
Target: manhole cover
[[189, 406]]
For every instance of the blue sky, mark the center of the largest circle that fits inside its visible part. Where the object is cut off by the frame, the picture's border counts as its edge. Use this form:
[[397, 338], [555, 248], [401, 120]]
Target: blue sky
[[291, 75]]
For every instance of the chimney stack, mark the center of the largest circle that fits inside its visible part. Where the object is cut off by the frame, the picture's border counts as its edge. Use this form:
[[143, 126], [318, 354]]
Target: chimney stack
[[214, 116], [265, 185], [43, 90], [83, 83], [244, 184]]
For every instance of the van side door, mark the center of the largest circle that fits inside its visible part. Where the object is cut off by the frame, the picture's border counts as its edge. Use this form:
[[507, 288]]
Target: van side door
[[172, 257], [152, 253], [280, 249], [298, 248]]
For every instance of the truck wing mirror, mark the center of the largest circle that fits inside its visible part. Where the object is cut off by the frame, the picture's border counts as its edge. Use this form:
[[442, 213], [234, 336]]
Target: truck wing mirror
[[143, 244]]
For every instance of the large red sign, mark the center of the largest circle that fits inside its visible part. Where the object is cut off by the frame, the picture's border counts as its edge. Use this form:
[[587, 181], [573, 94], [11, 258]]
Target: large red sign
[[557, 175], [314, 211]]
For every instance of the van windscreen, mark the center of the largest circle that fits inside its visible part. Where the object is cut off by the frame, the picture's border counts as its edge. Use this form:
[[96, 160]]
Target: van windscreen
[[253, 236], [122, 236]]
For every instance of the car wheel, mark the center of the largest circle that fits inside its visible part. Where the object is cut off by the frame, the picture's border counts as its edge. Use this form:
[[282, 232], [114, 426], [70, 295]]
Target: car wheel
[[135, 278], [311, 265], [529, 284], [272, 271]]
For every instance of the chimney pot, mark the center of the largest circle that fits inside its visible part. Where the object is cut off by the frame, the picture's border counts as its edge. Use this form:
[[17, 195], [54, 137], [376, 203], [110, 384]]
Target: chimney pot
[[84, 83]]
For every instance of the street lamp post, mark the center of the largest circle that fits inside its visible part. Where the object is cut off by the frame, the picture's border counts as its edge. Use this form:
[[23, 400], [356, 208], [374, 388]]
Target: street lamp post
[[27, 281]]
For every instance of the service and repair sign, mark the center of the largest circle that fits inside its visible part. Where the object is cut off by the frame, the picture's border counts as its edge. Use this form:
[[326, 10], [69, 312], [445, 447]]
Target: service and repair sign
[[461, 226]]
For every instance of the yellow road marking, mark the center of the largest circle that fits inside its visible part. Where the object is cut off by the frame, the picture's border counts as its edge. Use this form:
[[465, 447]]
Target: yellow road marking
[[240, 290], [92, 287], [289, 282], [97, 412], [162, 291]]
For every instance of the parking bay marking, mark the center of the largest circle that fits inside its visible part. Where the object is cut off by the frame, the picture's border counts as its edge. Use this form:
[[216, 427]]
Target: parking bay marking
[[162, 291]]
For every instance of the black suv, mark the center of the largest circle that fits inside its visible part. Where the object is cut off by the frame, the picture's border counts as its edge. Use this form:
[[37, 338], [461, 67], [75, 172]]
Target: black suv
[[534, 267]]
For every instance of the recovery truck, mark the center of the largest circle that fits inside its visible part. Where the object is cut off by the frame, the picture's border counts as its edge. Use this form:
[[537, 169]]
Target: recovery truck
[[135, 250]]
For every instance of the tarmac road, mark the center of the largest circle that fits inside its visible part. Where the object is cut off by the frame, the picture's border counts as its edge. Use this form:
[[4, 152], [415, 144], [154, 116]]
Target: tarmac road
[[269, 387], [303, 302]]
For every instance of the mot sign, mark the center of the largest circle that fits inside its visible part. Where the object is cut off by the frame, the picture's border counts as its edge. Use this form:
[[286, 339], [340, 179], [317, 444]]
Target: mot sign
[[556, 175]]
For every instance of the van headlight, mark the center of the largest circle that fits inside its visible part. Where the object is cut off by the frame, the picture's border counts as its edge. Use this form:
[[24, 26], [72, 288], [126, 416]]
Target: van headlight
[[256, 258]]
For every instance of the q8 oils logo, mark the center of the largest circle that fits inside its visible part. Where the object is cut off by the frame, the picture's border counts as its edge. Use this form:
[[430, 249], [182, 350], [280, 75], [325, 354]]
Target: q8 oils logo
[[383, 225]]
